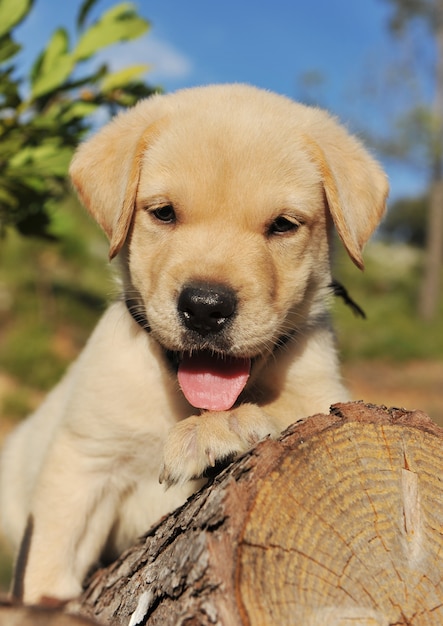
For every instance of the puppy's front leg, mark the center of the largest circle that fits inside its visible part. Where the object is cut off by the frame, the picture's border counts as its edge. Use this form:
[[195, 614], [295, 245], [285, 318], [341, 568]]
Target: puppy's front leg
[[72, 511], [198, 442]]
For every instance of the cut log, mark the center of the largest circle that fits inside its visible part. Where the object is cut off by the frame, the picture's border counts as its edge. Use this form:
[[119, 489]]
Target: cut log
[[340, 522], [12, 614]]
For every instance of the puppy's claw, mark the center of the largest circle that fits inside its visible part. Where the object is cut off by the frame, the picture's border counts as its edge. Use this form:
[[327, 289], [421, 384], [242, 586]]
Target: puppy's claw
[[169, 478], [211, 457], [163, 479]]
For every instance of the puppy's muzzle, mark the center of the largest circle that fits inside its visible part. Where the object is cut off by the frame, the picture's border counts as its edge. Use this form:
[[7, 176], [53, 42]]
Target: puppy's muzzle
[[206, 308], [210, 376]]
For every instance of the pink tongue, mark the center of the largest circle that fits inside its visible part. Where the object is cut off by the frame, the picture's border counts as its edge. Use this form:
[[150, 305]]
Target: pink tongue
[[212, 383]]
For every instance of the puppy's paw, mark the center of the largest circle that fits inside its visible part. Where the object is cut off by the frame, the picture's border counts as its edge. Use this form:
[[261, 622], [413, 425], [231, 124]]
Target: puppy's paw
[[198, 442]]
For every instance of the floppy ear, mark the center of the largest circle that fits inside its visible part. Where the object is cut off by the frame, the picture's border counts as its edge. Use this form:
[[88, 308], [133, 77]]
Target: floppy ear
[[105, 171], [356, 187]]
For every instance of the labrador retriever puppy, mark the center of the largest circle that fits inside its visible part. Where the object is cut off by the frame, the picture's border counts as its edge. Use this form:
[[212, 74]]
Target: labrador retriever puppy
[[220, 203]]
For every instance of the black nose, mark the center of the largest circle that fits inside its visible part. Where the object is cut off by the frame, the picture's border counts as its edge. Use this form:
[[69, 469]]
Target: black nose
[[206, 308]]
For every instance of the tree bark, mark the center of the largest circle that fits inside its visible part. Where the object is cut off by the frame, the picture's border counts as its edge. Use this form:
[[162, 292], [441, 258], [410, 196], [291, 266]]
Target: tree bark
[[339, 522], [430, 291]]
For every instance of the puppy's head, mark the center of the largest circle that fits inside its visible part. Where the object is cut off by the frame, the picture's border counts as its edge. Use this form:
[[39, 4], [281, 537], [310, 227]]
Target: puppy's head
[[221, 200]]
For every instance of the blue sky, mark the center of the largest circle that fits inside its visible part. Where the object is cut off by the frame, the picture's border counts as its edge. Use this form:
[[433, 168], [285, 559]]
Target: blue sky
[[268, 44]]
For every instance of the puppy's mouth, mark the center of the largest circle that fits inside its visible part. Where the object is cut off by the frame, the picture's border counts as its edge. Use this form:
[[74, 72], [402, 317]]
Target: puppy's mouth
[[211, 381]]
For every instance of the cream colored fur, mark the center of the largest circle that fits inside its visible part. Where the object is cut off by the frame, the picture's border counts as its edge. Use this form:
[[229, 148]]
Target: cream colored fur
[[230, 159]]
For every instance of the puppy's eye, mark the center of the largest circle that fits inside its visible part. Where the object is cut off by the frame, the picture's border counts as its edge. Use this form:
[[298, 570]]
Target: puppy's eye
[[165, 214], [282, 225]]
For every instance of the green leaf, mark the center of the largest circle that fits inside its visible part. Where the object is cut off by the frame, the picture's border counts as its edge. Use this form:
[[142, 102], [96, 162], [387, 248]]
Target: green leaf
[[12, 12], [122, 78], [56, 48], [9, 95], [48, 159], [50, 81], [54, 65], [45, 83], [20, 158], [78, 110], [7, 198], [8, 48], [36, 66], [84, 11], [120, 23], [53, 162], [35, 183]]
